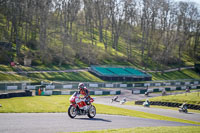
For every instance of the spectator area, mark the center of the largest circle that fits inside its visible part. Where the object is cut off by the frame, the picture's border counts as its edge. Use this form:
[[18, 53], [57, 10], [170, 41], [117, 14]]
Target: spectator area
[[119, 73]]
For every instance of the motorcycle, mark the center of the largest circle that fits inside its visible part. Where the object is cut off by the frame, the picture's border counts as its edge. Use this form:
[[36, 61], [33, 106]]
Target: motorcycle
[[114, 99], [81, 106], [184, 110], [146, 103]]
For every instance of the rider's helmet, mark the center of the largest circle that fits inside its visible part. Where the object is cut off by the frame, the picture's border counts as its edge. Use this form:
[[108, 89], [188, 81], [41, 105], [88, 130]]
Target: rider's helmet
[[81, 86]]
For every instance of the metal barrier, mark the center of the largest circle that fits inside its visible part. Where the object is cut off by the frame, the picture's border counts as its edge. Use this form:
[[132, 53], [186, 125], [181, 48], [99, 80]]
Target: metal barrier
[[9, 86]]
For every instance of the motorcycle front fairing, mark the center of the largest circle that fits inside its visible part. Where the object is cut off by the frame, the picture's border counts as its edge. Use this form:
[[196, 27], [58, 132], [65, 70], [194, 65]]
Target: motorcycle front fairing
[[73, 98], [75, 101]]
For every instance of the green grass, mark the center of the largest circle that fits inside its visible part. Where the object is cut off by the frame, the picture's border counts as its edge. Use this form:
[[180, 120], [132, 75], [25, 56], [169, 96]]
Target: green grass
[[61, 103], [183, 74], [162, 107], [70, 76], [5, 68], [176, 129], [190, 98], [78, 64], [174, 108], [13, 77], [88, 77], [53, 76]]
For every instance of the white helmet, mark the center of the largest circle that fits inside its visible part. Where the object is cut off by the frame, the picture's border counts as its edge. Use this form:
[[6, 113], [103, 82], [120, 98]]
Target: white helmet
[[81, 86]]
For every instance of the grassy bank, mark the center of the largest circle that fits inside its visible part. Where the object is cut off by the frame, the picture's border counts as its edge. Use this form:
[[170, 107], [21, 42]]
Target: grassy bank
[[183, 74], [70, 76], [190, 98], [88, 77], [14, 77], [52, 67], [54, 76], [181, 129], [163, 107], [61, 103]]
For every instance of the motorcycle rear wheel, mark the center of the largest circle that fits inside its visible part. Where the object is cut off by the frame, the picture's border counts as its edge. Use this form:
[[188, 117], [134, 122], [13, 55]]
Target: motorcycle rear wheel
[[72, 111], [92, 112]]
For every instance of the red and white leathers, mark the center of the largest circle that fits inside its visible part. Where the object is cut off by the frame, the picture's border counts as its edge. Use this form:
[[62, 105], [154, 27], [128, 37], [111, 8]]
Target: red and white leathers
[[84, 91], [81, 103]]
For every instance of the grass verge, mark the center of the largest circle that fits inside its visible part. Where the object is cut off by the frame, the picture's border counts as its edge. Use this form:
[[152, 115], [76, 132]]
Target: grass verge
[[176, 129], [162, 107], [190, 98]]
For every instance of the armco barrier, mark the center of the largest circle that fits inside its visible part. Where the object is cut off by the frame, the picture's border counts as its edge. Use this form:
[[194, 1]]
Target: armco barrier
[[31, 86], [91, 92], [169, 104], [15, 94], [155, 90], [142, 91], [56, 93]]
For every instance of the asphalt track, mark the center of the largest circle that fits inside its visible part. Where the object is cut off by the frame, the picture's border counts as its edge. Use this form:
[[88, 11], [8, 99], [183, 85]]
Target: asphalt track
[[60, 122], [159, 111]]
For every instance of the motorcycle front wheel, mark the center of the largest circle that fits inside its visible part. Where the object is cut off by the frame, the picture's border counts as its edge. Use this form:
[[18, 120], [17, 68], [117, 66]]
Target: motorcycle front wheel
[[92, 112], [186, 111], [72, 111]]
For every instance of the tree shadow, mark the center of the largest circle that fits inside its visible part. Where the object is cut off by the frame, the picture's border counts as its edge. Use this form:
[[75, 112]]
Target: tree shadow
[[94, 119]]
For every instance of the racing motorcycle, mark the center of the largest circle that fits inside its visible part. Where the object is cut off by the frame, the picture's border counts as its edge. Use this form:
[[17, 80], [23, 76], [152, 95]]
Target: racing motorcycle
[[184, 110], [81, 106]]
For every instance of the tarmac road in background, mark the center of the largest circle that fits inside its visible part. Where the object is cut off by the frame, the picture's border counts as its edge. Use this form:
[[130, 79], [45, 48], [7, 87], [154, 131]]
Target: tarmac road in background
[[106, 100]]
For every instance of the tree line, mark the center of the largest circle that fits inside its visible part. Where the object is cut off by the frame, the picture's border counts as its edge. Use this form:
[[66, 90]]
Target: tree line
[[162, 31]]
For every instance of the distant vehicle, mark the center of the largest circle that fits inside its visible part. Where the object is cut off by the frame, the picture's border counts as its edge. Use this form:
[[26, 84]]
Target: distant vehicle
[[123, 101], [146, 103], [183, 108], [114, 99], [164, 92], [146, 93]]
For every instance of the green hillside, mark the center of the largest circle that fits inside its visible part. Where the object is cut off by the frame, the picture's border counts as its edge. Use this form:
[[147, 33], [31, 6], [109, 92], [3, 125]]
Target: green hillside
[[73, 34], [84, 76]]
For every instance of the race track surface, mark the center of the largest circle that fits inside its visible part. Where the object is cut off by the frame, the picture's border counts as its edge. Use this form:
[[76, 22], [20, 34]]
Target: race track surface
[[159, 111], [60, 122]]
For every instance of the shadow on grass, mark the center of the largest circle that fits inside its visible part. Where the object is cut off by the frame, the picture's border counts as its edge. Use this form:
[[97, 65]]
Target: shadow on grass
[[94, 119]]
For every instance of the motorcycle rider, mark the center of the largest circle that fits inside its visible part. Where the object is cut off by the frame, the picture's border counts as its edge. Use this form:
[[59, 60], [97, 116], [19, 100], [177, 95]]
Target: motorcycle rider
[[84, 91], [146, 103], [183, 106]]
